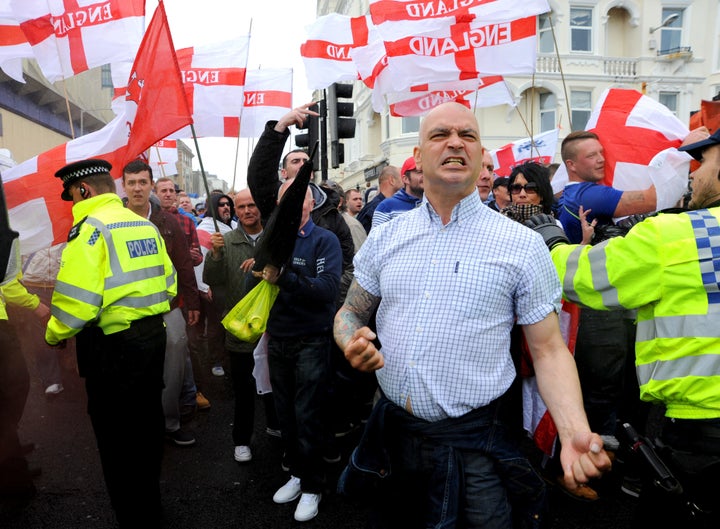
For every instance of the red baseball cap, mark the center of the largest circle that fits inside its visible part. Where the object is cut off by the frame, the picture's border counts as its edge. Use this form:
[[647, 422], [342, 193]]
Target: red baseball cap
[[408, 165]]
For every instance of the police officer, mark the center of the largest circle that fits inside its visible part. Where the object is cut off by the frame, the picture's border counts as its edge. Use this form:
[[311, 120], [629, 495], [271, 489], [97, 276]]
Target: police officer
[[667, 267], [114, 284]]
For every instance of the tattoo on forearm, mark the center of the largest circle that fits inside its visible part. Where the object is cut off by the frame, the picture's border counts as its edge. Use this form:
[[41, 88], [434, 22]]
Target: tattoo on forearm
[[355, 313]]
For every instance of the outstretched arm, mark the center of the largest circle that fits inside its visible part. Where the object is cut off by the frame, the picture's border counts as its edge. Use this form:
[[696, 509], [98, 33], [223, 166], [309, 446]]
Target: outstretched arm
[[582, 454], [353, 335]]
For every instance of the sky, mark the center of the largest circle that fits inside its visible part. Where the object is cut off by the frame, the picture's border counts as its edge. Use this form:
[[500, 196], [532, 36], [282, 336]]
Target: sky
[[277, 29]]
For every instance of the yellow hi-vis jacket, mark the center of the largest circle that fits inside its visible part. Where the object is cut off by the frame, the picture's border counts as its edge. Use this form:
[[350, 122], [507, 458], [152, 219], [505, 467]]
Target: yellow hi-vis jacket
[[668, 267], [114, 270], [14, 293]]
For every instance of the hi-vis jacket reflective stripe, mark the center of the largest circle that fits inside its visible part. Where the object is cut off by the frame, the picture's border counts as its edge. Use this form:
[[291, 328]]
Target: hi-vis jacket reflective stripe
[[114, 270], [668, 267]]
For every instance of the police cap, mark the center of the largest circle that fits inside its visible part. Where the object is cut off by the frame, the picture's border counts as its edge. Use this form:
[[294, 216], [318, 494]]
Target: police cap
[[77, 170]]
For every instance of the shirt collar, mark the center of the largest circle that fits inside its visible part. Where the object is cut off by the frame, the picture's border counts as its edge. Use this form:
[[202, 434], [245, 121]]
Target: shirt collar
[[307, 229], [467, 208]]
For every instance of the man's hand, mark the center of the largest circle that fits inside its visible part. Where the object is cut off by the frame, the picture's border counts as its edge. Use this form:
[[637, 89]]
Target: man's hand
[[362, 353], [546, 226], [42, 312], [296, 116], [218, 242], [247, 265], [696, 135], [193, 316], [583, 458], [270, 273], [196, 255]]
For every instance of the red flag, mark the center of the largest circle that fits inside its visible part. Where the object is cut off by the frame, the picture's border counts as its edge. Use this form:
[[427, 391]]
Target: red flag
[[155, 102]]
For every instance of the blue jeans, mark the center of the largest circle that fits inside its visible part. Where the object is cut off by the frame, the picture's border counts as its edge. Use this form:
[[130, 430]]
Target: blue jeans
[[299, 372]]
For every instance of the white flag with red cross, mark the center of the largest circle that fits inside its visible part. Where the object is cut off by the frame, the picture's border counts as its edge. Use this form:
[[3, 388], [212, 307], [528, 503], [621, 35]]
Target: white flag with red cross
[[633, 129], [32, 192], [214, 77], [268, 96], [71, 36], [154, 107], [463, 50], [163, 158], [540, 148], [396, 19], [326, 53], [475, 93], [14, 46]]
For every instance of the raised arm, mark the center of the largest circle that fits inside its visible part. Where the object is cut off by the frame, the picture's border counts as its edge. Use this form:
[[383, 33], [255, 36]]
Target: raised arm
[[352, 334]]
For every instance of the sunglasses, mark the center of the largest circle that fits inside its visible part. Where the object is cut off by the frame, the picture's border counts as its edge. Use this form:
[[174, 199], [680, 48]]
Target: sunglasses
[[530, 188], [223, 204]]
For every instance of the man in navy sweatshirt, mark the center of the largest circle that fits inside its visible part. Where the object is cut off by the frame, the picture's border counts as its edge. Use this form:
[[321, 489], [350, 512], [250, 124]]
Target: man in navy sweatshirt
[[300, 329]]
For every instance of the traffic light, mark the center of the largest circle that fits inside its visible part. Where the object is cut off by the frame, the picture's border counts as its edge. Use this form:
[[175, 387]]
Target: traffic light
[[340, 120], [312, 124]]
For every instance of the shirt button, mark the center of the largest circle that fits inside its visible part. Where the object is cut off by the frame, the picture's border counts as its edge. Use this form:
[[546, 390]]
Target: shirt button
[[427, 295], [412, 363], [418, 329]]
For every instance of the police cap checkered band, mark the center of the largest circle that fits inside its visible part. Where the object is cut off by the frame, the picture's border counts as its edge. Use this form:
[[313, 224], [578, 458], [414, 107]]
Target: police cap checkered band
[[77, 170]]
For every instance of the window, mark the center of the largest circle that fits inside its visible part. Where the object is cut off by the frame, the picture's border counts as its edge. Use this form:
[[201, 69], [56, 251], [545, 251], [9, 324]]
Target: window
[[548, 104], [545, 36], [671, 36], [105, 76], [580, 108], [410, 124], [581, 28], [670, 100]]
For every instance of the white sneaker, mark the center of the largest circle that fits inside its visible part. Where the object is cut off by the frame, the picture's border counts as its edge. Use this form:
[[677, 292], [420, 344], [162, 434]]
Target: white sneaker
[[243, 454], [307, 507], [54, 389], [218, 371], [288, 492]]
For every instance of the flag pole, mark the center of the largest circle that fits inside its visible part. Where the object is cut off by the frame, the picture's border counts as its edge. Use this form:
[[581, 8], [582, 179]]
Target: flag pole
[[210, 204], [237, 144], [562, 74], [160, 162], [67, 105]]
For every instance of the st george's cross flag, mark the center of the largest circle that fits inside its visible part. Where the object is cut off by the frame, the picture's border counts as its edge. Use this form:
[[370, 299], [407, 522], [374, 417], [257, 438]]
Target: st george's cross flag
[[214, 77], [154, 107], [476, 93], [464, 50], [396, 19], [268, 96], [640, 137], [14, 46], [326, 52], [163, 158], [540, 148], [71, 36]]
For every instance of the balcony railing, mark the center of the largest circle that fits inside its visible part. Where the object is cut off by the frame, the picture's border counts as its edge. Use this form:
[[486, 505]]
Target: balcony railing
[[609, 66]]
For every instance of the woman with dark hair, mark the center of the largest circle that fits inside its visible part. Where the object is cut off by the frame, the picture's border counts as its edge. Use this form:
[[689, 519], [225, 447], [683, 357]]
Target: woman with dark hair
[[530, 191]]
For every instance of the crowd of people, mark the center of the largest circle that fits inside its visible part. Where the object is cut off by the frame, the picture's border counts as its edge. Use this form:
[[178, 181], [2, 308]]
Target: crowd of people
[[413, 314]]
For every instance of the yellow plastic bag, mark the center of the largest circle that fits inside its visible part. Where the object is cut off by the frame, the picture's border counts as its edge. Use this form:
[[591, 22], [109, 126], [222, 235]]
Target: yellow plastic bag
[[247, 320]]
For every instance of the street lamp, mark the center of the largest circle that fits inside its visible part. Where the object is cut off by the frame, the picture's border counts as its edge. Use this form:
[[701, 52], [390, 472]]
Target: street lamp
[[665, 23]]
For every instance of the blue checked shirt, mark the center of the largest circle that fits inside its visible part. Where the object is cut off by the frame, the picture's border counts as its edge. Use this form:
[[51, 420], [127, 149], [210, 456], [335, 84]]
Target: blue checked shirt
[[450, 296]]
